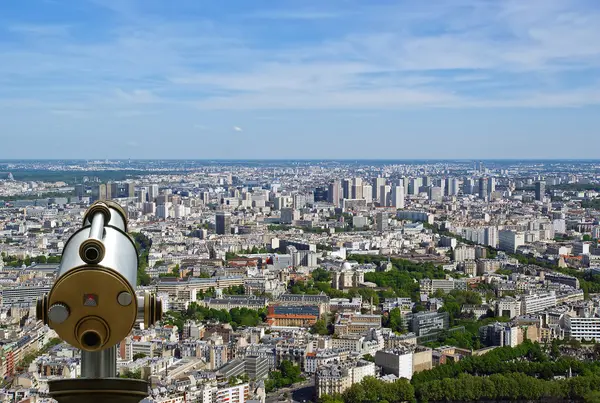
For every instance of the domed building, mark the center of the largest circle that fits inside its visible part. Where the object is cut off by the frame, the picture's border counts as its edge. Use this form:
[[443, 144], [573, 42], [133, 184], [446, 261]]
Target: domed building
[[347, 277]]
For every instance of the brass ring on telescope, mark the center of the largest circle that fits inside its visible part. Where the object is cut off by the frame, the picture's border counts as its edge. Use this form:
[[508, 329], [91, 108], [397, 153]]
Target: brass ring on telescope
[[90, 245], [95, 208]]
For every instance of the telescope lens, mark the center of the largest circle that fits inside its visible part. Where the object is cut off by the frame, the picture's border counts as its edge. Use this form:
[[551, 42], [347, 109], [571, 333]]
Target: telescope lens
[[92, 254], [90, 339]]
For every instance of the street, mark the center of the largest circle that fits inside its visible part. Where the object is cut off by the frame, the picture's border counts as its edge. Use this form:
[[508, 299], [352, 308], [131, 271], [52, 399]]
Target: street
[[299, 393]]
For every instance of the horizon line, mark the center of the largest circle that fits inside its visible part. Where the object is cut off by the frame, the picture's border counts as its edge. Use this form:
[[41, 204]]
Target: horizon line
[[298, 159]]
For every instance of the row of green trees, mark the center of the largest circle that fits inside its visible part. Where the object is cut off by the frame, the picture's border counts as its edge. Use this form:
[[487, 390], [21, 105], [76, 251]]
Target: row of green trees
[[30, 357], [371, 390], [524, 373], [286, 375], [235, 317], [143, 244], [13, 261], [401, 280]]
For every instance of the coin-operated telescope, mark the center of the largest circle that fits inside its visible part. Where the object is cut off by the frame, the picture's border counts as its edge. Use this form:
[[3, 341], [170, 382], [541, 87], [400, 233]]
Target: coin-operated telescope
[[93, 303]]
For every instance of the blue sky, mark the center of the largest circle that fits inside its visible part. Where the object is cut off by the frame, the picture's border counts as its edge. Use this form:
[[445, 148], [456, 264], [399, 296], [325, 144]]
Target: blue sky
[[299, 79]]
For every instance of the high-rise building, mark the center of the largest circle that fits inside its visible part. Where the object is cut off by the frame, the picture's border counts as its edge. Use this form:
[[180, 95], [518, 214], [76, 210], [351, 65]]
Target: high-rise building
[[80, 190], [483, 188], [346, 189], [435, 193], [491, 187], [333, 193], [357, 188], [453, 188], [509, 240], [321, 194], [414, 185], [398, 197], [142, 195], [383, 195], [382, 221], [367, 193], [540, 190], [100, 192], [223, 223], [152, 192], [130, 189], [377, 184], [468, 186]]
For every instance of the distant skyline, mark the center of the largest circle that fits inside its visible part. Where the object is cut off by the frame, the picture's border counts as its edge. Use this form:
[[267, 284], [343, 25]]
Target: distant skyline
[[352, 79]]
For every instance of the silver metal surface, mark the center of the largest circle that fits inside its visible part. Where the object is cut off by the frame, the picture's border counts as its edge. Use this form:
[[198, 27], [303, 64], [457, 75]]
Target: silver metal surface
[[116, 220], [120, 254], [58, 313], [99, 364], [125, 298], [97, 227]]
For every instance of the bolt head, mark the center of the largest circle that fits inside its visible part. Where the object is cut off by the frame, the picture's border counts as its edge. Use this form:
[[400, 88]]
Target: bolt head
[[58, 313], [124, 298]]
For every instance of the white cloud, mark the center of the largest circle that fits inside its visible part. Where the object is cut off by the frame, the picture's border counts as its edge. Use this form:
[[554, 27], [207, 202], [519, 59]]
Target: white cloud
[[412, 54], [237, 129]]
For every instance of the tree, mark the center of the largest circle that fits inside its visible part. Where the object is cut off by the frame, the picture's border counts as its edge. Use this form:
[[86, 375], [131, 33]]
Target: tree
[[139, 356], [137, 374], [320, 327]]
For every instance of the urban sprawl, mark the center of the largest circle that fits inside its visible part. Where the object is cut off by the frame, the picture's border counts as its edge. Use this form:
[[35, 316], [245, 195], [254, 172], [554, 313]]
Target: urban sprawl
[[331, 281]]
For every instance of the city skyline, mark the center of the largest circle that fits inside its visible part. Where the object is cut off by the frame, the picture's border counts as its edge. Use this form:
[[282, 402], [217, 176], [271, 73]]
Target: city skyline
[[240, 80]]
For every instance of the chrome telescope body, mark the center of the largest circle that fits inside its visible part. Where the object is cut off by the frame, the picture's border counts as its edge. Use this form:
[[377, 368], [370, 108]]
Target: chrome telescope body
[[93, 304]]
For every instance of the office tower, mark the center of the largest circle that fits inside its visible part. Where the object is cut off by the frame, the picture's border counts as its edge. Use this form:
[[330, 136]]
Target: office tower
[[130, 190], [540, 190], [426, 181], [398, 196], [205, 197], [367, 193], [333, 193], [382, 221], [357, 188], [468, 185], [80, 190], [453, 187], [447, 186], [223, 223], [152, 192], [414, 185], [509, 240], [114, 190], [383, 196], [346, 189], [435, 193], [287, 215], [142, 195], [320, 194], [377, 184], [405, 184], [483, 188], [99, 192], [491, 187]]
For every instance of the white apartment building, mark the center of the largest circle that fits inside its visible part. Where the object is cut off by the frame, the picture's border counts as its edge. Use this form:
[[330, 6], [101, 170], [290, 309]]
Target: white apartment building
[[582, 328], [462, 253], [511, 240], [335, 379], [537, 302]]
